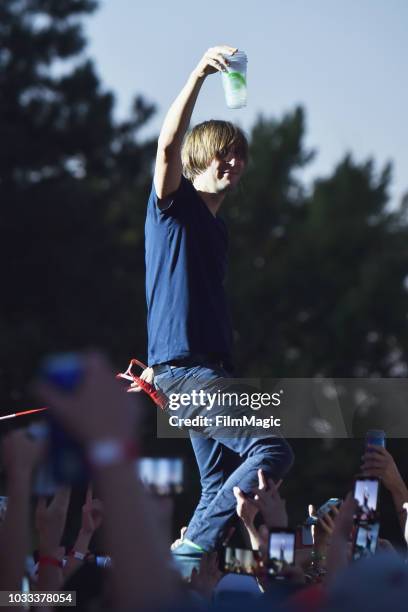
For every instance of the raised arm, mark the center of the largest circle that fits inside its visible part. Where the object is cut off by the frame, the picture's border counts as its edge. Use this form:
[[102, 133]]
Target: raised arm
[[167, 174], [20, 455]]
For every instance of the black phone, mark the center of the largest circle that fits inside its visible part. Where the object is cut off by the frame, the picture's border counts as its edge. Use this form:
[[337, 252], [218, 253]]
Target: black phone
[[240, 561], [365, 541], [64, 463], [281, 549], [366, 495]]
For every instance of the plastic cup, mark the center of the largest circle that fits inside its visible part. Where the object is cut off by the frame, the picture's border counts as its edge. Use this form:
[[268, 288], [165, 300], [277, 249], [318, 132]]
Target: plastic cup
[[235, 80]]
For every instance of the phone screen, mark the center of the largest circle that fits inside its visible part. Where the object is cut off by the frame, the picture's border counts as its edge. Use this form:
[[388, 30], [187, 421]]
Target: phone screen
[[281, 550], [366, 539], [241, 561], [163, 476], [366, 495]]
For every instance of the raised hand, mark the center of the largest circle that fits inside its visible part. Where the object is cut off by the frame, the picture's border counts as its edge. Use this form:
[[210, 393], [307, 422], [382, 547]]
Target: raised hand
[[379, 463], [50, 521], [205, 579], [270, 503], [214, 60], [247, 508], [20, 453], [92, 513]]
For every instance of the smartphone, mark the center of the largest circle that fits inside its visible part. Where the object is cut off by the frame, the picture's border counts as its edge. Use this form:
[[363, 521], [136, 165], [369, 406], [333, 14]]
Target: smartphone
[[307, 538], [66, 456], [240, 561], [366, 539], [375, 437], [281, 549], [65, 462], [103, 561], [327, 506], [162, 476], [366, 495]]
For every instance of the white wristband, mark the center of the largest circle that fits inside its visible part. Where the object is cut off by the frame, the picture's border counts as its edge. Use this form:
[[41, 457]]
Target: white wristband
[[111, 452]]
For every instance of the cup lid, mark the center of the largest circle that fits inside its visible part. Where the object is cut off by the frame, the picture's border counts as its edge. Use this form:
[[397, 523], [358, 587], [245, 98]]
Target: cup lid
[[238, 55]]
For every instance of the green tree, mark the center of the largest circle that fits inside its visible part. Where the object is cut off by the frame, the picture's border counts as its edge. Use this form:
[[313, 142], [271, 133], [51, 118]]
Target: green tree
[[73, 186], [317, 281]]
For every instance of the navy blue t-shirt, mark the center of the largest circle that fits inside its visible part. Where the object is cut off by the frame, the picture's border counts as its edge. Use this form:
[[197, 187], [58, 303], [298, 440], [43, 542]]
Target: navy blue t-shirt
[[186, 259]]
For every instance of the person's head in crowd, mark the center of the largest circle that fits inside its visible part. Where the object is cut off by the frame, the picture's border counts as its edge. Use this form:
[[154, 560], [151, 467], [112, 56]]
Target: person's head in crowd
[[376, 584]]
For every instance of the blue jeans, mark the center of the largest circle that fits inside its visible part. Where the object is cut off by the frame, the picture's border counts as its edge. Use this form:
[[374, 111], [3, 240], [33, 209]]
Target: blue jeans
[[223, 462]]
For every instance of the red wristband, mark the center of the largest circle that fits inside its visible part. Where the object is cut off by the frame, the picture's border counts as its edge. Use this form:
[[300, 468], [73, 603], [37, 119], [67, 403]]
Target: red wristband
[[50, 561]]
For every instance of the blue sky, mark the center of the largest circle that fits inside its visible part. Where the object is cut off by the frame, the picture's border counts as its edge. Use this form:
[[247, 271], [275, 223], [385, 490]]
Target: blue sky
[[344, 61]]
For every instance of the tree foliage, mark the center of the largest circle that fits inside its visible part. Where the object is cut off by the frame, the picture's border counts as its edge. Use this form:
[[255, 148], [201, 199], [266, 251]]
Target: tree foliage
[[317, 279], [72, 188]]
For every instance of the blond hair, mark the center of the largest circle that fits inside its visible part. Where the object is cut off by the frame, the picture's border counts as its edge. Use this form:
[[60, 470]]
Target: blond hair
[[210, 140]]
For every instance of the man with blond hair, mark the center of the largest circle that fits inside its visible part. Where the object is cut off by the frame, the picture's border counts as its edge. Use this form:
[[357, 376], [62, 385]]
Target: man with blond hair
[[189, 326]]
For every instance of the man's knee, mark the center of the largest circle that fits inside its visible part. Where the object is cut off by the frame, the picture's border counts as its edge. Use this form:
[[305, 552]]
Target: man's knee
[[276, 457]]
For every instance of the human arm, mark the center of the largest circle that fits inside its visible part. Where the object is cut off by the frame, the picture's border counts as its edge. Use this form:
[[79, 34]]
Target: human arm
[[168, 167], [50, 524], [20, 455], [267, 501], [338, 554], [247, 511], [270, 503], [92, 513], [96, 412], [205, 579], [379, 463]]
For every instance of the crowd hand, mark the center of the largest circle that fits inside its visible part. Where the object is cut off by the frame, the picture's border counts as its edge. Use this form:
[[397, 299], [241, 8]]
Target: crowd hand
[[338, 555], [379, 463], [97, 409], [323, 529], [147, 375], [247, 508], [92, 514], [343, 522], [270, 503], [20, 454], [293, 573], [205, 579], [92, 517], [214, 60], [50, 521], [384, 546], [179, 540]]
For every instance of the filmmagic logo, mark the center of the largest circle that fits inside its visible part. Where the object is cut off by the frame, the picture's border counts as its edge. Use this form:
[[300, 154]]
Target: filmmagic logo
[[225, 421], [201, 398]]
